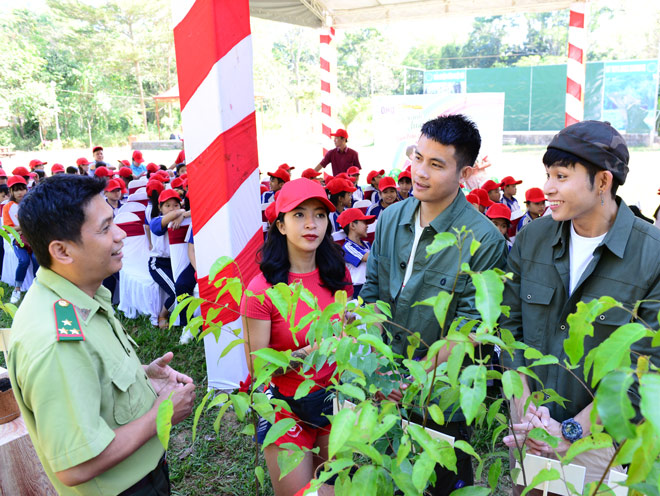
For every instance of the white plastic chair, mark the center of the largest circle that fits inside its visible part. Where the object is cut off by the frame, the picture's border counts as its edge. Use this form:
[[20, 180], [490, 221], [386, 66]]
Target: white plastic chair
[[138, 292], [9, 264], [135, 184], [134, 207], [139, 196]]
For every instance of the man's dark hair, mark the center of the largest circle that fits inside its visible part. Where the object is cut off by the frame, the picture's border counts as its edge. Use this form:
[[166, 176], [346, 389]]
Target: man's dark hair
[[553, 156], [458, 131], [40, 173], [4, 189], [55, 210], [72, 170]]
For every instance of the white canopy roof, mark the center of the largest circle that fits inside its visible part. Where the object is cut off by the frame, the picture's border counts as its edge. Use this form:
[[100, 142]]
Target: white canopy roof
[[346, 13]]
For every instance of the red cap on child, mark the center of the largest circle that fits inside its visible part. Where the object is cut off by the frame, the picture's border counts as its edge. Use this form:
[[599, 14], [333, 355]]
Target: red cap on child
[[154, 185], [310, 173], [372, 174], [339, 185], [295, 192], [386, 182], [490, 185], [534, 195], [352, 214], [167, 194], [499, 211], [16, 180]]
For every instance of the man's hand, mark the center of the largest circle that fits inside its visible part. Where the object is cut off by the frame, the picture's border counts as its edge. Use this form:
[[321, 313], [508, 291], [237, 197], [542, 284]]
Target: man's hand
[[537, 417], [183, 400], [163, 377]]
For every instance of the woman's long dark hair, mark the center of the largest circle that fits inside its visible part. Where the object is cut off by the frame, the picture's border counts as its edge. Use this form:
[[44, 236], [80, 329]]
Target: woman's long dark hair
[[155, 208], [274, 259]]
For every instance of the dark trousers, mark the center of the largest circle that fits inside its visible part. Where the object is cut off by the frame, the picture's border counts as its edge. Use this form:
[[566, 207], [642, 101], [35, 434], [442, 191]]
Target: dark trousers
[[160, 269], [155, 483], [24, 259], [185, 284]]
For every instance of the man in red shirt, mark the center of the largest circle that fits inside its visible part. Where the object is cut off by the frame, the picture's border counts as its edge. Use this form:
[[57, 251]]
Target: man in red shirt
[[342, 157]]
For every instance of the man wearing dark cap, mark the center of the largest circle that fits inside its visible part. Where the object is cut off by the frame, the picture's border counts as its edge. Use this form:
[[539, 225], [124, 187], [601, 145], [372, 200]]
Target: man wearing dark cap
[[97, 152], [341, 157], [592, 246]]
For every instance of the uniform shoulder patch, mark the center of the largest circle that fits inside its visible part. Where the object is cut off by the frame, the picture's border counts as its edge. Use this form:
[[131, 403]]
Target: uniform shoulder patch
[[67, 325]]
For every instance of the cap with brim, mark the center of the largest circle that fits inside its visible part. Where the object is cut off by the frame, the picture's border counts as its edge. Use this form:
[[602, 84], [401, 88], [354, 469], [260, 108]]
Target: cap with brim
[[352, 170], [113, 184], [372, 174], [286, 167], [154, 185], [339, 185], [296, 192], [509, 181], [327, 177], [164, 176], [20, 171], [56, 168], [168, 194], [151, 167], [137, 157], [82, 161], [125, 172], [343, 175], [341, 133], [270, 212], [352, 214], [281, 174], [403, 174], [310, 173], [96, 149], [484, 200], [472, 198], [14, 180], [36, 163], [177, 182], [490, 185], [125, 163], [3, 173], [534, 195], [386, 182], [498, 211], [597, 143], [102, 172]]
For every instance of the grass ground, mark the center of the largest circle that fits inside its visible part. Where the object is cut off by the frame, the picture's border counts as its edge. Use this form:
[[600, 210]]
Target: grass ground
[[222, 464]]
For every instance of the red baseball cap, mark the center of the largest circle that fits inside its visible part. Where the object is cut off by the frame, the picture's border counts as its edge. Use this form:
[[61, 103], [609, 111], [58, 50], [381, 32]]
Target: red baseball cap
[[137, 157], [534, 195], [499, 211], [342, 175], [286, 167], [340, 185], [310, 173], [57, 169], [297, 191], [154, 185], [372, 174], [352, 170], [97, 148], [167, 194], [386, 182], [125, 171], [490, 185], [177, 182], [484, 200], [270, 213], [114, 184], [508, 181], [352, 214], [3, 173], [125, 163], [82, 161], [151, 167], [472, 198], [16, 180], [163, 176], [20, 171], [36, 163], [341, 133], [102, 172], [327, 177], [405, 173], [281, 174]]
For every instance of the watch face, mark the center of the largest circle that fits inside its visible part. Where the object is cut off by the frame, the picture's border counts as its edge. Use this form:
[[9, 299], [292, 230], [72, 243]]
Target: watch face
[[571, 430]]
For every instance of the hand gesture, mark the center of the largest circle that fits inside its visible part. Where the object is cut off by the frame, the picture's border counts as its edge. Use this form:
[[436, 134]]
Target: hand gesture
[[163, 377]]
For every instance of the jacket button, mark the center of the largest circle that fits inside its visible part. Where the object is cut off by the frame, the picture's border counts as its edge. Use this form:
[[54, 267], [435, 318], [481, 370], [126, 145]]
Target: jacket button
[[397, 337], [529, 296], [443, 281], [562, 327], [403, 265], [601, 317]]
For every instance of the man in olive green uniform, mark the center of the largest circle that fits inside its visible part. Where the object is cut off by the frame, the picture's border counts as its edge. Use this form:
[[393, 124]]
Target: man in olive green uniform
[[400, 274], [89, 405], [592, 246]]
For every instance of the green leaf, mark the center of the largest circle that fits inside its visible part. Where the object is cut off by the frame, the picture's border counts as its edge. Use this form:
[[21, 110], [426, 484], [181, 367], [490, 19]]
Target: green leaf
[[178, 309], [613, 405], [288, 460], [614, 352], [259, 472], [164, 421], [493, 410], [440, 242], [304, 388], [351, 391], [488, 297], [543, 436], [580, 325], [384, 308], [272, 356], [277, 430], [231, 346], [471, 491], [342, 429], [474, 246], [422, 470], [403, 481], [281, 295], [218, 266], [198, 413], [437, 414], [466, 448], [512, 384], [455, 362], [649, 389], [440, 304], [543, 476], [645, 456], [595, 441], [494, 473], [377, 343], [364, 480], [241, 403], [472, 390]]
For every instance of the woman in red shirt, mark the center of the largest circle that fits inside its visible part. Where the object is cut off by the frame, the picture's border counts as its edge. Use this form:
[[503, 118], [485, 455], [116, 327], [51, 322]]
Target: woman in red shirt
[[299, 248]]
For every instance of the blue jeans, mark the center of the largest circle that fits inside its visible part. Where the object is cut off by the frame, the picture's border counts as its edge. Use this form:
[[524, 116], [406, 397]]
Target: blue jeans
[[23, 263]]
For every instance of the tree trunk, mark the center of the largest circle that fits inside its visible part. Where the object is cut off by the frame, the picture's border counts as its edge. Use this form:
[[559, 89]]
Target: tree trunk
[[89, 132], [138, 76]]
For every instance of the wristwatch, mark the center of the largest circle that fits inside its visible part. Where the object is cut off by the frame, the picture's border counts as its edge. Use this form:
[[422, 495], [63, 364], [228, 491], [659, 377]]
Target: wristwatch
[[571, 430]]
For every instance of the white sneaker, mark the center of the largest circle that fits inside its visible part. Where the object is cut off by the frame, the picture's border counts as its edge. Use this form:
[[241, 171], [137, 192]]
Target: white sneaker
[[15, 296]]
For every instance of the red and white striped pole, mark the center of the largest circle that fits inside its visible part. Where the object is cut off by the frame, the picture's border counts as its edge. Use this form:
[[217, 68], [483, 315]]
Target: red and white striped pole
[[214, 63], [328, 58], [577, 63]]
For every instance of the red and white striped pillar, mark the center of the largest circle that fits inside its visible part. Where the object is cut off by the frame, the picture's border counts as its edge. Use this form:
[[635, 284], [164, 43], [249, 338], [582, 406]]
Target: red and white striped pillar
[[328, 83], [577, 63], [214, 63]]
